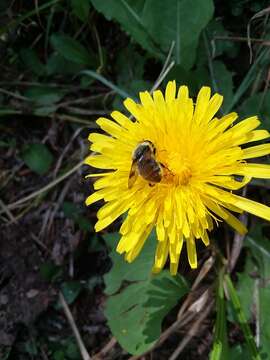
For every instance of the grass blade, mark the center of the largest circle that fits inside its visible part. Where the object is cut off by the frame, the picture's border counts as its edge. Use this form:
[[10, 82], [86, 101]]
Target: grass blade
[[220, 345], [249, 78], [106, 82], [242, 319]]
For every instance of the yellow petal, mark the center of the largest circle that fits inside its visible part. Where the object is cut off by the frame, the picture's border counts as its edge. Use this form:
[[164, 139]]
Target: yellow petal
[[170, 91], [259, 171], [251, 206], [228, 217], [192, 253], [256, 151]]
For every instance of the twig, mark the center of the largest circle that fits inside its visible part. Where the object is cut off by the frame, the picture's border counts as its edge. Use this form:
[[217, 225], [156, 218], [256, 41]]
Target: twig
[[45, 188], [192, 331], [7, 211], [74, 328], [162, 77], [65, 150], [107, 348], [203, 272]]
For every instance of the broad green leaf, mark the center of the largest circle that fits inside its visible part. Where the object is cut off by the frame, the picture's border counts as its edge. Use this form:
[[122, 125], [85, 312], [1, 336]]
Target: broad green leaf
[[155, 24], [129, 14], [135, 315], [37, 157], [72, 49], [138, 270], [81, 8], [179, 22], [44, 95], [258, 104], [58, 64], [32, 62]]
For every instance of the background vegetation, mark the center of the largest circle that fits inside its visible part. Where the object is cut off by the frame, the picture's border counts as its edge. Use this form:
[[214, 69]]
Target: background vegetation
[[64, 63]]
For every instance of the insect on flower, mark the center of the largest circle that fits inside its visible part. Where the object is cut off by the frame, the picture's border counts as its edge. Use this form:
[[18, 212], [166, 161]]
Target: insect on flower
[[193, 161], [145, 164]]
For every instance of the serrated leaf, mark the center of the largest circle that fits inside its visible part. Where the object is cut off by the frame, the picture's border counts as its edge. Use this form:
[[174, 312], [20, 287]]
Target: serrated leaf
[[135, 315], [37, 157], [71, 49], [128, 13], [138, 270], [81, 8], [155, 25]]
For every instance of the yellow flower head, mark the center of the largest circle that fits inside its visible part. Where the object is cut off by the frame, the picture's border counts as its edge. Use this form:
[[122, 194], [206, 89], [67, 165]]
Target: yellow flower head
[[173, 168]]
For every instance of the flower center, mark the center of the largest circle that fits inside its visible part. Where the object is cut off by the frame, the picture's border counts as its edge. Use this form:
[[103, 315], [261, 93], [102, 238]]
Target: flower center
[[176, 169]]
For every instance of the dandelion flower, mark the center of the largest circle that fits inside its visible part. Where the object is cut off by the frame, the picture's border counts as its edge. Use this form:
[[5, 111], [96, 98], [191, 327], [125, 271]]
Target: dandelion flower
[[202, 162]]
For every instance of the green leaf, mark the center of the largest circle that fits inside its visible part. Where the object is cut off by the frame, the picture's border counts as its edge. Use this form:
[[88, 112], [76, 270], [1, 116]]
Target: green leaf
[[222, 46], [31, 60], [58, 64], [258, 104], [238, 352], [72, 50], [72, 211], [138, 270], [260, 248], [155, 25], [44, 95], [71, 290], [223, 81], [49, 271], [81, 8], [248, 79], [245, 286], [179, 22], [129, 14], [37, 157], [136, 313]]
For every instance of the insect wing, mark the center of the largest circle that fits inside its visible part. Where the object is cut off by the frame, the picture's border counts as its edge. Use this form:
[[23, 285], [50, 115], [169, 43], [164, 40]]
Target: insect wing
[[133, 174]]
